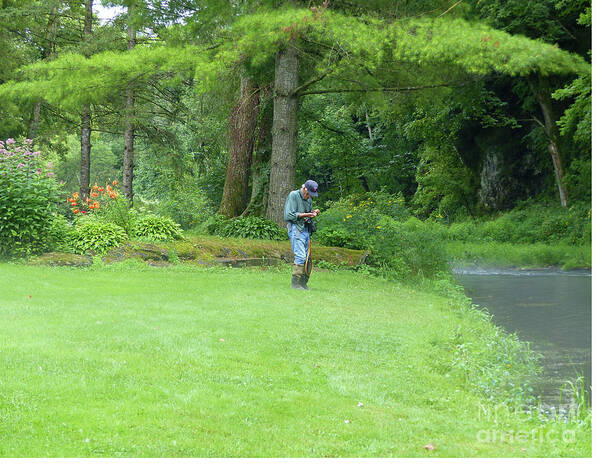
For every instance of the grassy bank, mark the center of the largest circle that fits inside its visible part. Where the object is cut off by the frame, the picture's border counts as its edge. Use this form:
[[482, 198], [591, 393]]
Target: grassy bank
[[520, 255], [130, 360]]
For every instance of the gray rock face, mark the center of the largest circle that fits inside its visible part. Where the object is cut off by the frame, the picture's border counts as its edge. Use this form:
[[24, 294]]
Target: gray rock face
[[494, 184], [510, 170]]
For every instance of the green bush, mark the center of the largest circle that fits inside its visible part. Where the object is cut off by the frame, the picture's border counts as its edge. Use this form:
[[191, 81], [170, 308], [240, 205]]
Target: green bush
[[118, 212], [29, 196], [60, 233], [247, 227], [211, 224], [96, 236], [463, 231], [529, 224], [189, 208], [408, 249], [157, 227], [400, 247]]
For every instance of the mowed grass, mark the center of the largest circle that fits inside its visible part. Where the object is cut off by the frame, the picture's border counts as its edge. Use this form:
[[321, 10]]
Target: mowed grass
[[138, 361]]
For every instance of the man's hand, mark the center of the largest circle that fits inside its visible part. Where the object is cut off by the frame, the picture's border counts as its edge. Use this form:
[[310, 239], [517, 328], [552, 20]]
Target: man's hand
[[317, 211]]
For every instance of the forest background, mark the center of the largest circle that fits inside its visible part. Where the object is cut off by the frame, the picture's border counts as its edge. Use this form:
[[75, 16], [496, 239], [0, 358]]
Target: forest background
[[471, 114]]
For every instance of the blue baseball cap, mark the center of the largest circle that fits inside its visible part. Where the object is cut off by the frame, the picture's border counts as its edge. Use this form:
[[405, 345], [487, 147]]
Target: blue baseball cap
[[312, 187]]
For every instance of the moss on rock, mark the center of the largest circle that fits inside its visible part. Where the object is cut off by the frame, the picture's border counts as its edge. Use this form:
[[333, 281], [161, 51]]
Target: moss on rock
[[145, 251], [64, 259]]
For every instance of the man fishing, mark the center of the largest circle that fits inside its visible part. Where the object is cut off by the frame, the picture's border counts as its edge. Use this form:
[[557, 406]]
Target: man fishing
[[298, 215]]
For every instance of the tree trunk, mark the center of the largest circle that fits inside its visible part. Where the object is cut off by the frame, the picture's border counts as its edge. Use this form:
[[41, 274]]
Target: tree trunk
[[35, 119], [242, 127], [86, 131], [129, 133], [86, 120], [259, 166], [543, 95], [284, 132]]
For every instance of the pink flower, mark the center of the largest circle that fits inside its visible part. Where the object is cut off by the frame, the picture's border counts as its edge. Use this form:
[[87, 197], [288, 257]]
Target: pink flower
[[38, 171], [50, 175], [21, 165], [10, 141]]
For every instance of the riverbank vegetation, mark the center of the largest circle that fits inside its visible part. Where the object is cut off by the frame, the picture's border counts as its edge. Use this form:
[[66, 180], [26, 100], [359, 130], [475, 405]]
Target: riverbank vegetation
[[130, 360]]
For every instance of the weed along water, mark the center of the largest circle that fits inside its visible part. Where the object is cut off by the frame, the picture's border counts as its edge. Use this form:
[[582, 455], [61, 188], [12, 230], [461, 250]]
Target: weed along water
[[549, 308]]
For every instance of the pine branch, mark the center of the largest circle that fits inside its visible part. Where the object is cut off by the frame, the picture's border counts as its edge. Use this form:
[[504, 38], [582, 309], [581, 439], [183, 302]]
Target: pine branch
[[384, 89]]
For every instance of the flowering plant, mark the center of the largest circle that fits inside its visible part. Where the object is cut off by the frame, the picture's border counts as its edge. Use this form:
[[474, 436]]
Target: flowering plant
[[29, 195], [98, 197]]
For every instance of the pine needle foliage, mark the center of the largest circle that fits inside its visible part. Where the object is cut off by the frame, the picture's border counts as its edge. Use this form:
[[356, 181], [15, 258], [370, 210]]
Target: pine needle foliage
[[336, 45]]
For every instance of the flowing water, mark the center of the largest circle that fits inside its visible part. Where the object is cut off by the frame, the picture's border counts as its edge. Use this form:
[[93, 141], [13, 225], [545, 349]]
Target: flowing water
[[549, 308]]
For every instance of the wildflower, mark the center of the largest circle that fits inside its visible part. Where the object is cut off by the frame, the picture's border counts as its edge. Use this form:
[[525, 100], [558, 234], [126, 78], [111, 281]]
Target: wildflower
[[21, 165], [94, 194], [349, 216], [101, 189], [378, 226], [115, 183], [10, 141], [50, 175], [509, 365], [76, 211]]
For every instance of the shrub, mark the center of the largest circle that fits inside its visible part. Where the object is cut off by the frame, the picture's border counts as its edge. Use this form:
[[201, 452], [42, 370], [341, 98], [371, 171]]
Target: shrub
[[106, 204], [29, 196], [157, 227], [188, 208], [462, 231], [248, 227], [530, 224], [407, 249], [212, 224], [400, 247], [60, 233], [96, 236]]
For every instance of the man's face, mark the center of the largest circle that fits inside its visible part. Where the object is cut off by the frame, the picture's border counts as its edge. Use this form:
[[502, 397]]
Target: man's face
[[305, 192]]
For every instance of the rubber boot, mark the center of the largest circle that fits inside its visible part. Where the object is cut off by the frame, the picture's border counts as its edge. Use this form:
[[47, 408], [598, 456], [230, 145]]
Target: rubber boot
[[304, 281], [296, 277]]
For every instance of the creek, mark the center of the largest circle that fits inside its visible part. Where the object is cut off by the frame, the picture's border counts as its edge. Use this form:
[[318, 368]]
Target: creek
[[551, 309]]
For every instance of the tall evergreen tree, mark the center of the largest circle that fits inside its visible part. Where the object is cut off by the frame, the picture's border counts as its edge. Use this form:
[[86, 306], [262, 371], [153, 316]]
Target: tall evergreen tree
[[86, 115]]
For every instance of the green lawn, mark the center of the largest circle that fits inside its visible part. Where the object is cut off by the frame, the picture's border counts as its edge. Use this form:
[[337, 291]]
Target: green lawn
[[140, 361]]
